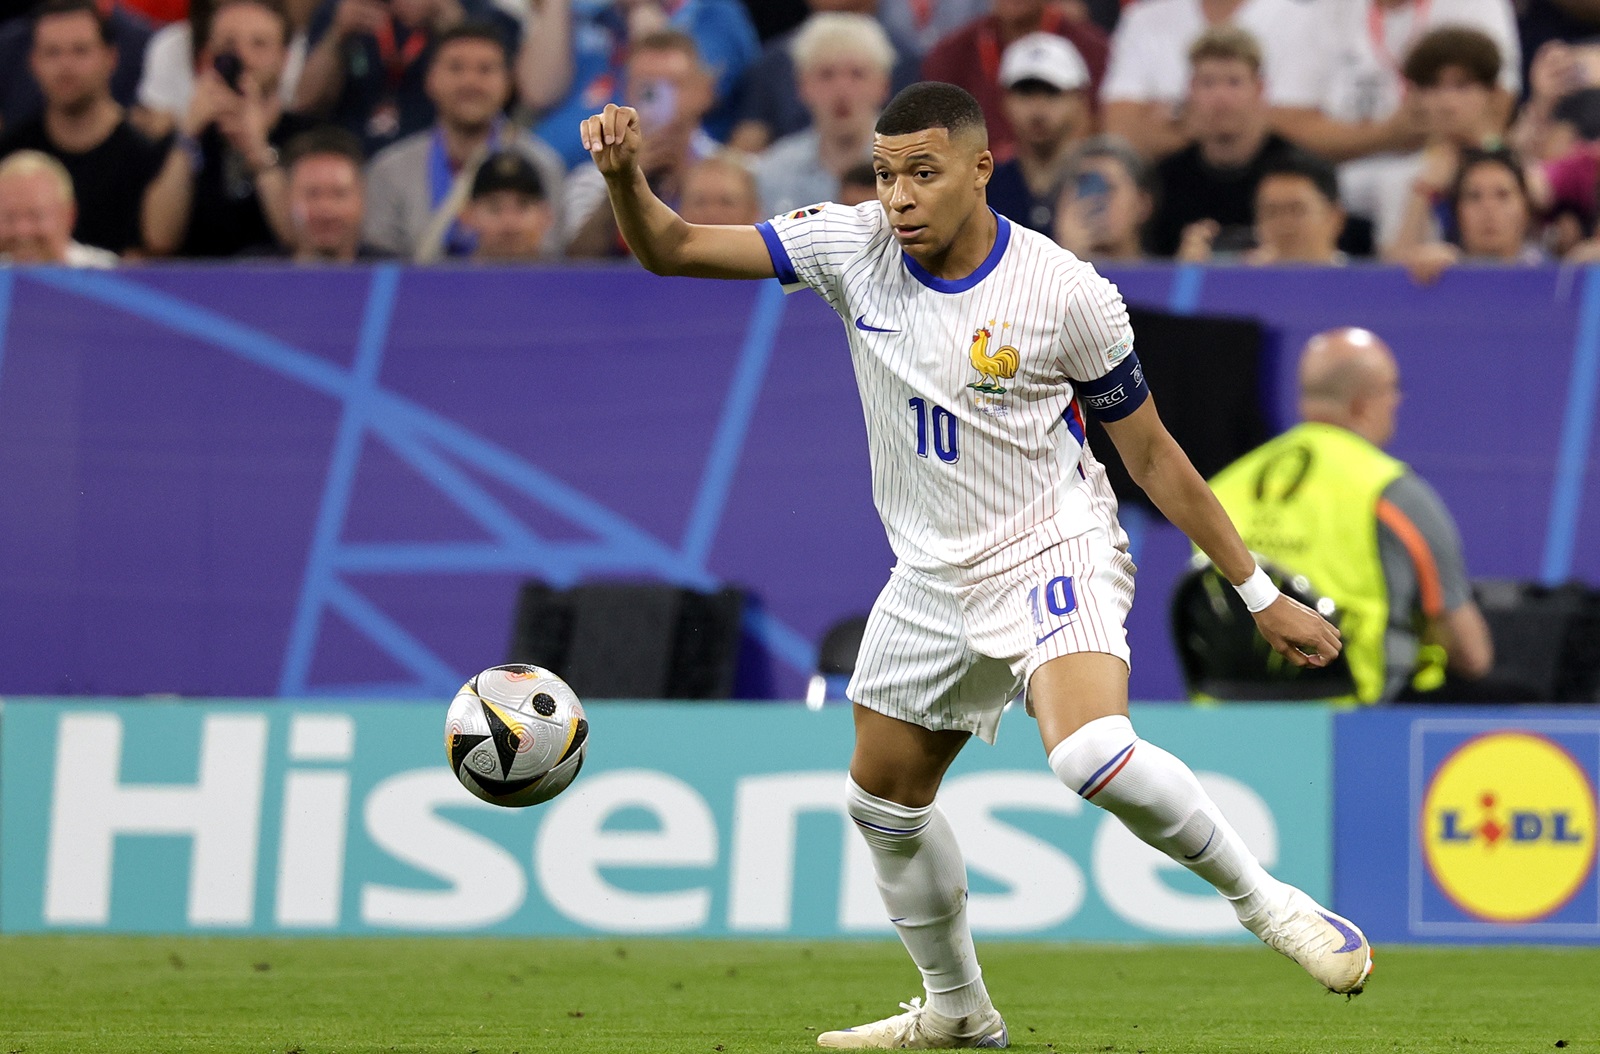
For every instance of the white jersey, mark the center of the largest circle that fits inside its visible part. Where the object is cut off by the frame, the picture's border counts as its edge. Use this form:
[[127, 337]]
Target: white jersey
[[974, 390]]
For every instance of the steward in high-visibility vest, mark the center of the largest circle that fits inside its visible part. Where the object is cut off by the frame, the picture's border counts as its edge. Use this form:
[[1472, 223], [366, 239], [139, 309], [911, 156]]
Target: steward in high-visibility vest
[[1316, 501], [1308, 501]]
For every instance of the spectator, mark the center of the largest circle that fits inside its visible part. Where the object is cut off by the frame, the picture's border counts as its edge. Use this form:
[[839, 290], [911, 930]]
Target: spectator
[[923, 24], [1567, 186], [36, 215], [1544, 21], [233, 133], [1104, 202], [417, 187], [769, 103], [1298, 217], [367, 66], [1453, 73], [843, 62], [1491, 213], [1144, 94], [672, 91], [1562, 109], [1363, 528], [1206, 192], [509, 213], [970, 57], [326, 198], [1047, 102], [721, 190], [175, 54], [20, 98], [603, 34], [858, 184], [1362, 105], [124, 183]]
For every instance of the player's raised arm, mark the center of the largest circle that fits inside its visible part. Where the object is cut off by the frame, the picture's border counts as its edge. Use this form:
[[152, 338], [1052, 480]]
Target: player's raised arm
[[1156, 462], [662, 240]]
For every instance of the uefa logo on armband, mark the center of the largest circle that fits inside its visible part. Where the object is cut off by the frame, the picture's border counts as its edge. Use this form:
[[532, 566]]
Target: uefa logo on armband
[[1505, 828]]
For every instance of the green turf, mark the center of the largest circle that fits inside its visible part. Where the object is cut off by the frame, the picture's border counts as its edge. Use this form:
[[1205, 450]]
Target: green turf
[[86, 995]]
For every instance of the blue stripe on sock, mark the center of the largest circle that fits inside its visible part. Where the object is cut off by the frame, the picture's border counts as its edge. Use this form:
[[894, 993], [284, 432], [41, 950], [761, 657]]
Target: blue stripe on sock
[[891, 830], [1209, 839], [1101, 770]]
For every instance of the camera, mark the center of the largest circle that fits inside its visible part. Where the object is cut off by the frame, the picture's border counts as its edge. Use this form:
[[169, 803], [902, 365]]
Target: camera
[[229, 68]]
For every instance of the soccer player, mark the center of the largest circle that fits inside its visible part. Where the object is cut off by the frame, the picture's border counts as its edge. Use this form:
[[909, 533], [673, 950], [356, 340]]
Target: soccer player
[[978, 345]]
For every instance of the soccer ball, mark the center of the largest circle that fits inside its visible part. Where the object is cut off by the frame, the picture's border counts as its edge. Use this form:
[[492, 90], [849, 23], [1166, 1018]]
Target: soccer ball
[[516, 735]]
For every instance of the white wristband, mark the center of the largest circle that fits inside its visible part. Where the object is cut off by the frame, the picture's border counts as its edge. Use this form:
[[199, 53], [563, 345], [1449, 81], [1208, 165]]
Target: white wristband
[[1257, 591]]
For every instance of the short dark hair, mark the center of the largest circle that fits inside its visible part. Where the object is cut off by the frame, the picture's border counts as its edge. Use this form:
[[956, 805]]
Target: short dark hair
[[1113, 148], [1299, 163], [1439, 49], [930, 104], [321, 141], [1474, 158], [472, 29], [53, 8], [274, 8]]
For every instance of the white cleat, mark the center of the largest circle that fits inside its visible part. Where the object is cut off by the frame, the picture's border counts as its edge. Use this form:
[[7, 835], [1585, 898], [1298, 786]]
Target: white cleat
[[1328, 947], [921, 1029]]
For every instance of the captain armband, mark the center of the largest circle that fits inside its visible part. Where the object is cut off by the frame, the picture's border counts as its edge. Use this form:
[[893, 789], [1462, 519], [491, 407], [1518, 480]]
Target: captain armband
[[1117, 394]]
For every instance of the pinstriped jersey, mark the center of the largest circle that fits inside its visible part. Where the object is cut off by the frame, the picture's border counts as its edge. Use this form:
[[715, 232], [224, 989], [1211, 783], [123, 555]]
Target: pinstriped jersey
[[973, 389]]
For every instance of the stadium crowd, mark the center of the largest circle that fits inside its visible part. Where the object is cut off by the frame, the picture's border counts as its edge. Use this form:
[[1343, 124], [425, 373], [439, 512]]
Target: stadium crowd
[[1423, 132]]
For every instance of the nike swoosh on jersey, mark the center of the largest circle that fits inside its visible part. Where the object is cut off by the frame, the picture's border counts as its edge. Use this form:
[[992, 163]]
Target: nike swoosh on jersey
[[1047, 636], [861, 324]]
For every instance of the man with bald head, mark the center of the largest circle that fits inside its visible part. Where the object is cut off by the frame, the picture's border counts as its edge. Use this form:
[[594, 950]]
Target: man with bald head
[[1323, 500]]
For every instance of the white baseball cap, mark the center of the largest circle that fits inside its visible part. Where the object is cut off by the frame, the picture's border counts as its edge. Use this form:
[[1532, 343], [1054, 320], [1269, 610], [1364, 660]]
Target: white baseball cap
[[1044, 57]]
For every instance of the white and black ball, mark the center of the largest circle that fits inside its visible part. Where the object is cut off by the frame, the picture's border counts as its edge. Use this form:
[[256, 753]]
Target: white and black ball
[[516, 735]]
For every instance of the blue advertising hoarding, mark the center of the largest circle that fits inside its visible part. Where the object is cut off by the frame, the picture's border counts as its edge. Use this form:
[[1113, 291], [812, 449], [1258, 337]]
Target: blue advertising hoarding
[[694, 819], [1468, 824]]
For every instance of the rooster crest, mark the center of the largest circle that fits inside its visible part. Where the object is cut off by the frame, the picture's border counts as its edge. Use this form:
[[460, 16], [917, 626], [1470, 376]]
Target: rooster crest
[[992, 368]]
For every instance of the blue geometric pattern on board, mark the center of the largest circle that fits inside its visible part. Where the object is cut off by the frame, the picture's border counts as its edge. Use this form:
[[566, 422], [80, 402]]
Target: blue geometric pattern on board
[[438, 449]]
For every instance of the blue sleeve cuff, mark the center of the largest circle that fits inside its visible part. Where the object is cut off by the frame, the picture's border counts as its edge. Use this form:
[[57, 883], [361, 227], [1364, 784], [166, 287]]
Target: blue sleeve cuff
[[780, 255], [1117, 394]]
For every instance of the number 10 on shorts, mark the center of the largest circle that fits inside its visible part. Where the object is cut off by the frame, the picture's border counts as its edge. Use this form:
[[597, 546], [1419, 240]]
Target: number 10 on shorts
[[1055, 596]]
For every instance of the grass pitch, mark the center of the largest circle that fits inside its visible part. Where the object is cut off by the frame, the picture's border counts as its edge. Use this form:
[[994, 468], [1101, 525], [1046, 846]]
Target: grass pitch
[[160, 995]]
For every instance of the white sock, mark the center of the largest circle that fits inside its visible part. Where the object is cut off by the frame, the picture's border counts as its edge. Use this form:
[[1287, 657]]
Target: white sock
[[1158, 798], [923, 881]]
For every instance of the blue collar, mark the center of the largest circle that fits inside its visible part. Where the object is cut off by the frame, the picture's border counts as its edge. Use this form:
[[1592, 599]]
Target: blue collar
[[1002, 238]]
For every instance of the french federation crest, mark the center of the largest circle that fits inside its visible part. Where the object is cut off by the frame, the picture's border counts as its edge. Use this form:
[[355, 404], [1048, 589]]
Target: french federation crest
[[995, 366]]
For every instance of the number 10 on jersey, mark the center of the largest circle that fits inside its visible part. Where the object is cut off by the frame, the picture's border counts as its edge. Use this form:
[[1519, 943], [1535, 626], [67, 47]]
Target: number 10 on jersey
[[941, 423]]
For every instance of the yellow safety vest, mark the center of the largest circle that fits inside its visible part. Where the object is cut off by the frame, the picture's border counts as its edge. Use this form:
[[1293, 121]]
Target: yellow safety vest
[[1308, 502]]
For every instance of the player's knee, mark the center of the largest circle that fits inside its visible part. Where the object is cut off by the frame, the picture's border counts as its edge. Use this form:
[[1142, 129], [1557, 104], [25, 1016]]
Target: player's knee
[[1089, 759], [883, 823]]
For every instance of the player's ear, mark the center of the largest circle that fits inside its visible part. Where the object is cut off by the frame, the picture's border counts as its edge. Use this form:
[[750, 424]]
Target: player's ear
[[983, 168]]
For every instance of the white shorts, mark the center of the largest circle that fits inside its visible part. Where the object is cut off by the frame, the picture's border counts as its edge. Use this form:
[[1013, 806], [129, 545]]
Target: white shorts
[[951, 656]]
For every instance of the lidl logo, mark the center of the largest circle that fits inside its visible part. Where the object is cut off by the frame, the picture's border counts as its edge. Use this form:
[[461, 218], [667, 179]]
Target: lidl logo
[[1508, 827]]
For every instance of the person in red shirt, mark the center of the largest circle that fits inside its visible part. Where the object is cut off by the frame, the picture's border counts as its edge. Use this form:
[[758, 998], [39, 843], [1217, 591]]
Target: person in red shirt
[[970, 57]]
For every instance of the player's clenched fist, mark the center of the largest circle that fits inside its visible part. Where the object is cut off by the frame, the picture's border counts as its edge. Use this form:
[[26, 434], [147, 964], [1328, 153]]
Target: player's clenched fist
[[612, 138]]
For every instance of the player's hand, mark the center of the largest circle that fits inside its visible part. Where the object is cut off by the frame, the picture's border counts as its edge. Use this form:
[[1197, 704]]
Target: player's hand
[[613, 138], [1297, 633]]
